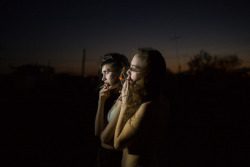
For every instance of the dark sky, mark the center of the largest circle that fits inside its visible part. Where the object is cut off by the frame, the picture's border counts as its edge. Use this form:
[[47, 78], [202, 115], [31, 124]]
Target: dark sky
[[56, 32]]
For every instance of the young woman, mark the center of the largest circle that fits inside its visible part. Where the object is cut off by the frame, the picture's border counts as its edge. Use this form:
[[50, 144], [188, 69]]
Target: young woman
[[144, 110], [113, 68]]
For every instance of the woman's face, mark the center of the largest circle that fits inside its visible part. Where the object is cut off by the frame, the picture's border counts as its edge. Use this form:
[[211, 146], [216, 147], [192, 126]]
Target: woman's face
[[135, 70], [109, 76]]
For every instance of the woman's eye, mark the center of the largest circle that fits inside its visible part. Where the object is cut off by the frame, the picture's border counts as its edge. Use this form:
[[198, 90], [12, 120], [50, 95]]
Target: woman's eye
[[134, 70], [105, 72]]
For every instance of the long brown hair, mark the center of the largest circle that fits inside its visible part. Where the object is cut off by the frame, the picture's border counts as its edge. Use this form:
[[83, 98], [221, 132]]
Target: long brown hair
[[152, 76]]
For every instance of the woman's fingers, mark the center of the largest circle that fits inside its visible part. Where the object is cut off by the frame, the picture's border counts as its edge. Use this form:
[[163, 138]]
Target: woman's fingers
[[104, 92], [124, 88]]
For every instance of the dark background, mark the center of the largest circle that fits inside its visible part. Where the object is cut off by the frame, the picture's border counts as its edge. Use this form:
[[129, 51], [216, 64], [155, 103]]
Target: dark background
[[50, 122], [56, 32], [47, 118]]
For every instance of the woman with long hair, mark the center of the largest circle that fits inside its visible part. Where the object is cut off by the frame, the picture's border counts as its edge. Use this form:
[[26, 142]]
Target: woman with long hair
[[113, 67], [144, 110]]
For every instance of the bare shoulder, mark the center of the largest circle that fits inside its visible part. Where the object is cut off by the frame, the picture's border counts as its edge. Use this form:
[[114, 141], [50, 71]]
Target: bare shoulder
[[157, 108], [141, 114], [146, 105], [159, 103], [144, 108]]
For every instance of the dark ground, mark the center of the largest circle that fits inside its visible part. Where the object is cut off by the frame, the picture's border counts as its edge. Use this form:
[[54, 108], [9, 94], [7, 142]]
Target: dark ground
[[52, 123]]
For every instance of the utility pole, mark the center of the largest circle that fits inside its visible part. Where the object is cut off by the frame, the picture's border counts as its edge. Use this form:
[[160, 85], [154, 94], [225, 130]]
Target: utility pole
[[83, 62], [175, 38]]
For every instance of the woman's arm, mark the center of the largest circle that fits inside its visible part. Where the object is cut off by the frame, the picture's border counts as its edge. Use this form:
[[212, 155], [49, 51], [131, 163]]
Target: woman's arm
[[99, 119], [127, 133], [108, 133]]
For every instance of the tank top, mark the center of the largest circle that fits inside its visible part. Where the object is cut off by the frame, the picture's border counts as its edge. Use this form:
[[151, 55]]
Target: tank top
[[111, 113]]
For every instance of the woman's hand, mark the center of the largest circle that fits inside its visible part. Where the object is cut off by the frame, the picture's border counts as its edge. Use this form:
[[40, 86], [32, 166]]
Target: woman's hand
[[126, 90], [104, 93]]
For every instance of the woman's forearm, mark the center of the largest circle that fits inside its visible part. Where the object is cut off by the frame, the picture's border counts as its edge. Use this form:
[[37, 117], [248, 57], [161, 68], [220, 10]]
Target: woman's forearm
[[119, 126], [99, 119]]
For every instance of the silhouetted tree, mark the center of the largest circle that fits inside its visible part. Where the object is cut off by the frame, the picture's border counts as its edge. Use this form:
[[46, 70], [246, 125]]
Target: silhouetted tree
[[201, 61], [227, 62], [204, 61]]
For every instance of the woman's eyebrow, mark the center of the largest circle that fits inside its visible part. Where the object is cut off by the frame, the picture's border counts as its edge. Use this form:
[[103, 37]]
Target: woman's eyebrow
[[134, 66], [106, 70]]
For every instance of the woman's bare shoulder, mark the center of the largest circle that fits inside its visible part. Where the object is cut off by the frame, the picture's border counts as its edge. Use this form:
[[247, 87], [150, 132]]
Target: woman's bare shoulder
[[154, 107], [146, 105]]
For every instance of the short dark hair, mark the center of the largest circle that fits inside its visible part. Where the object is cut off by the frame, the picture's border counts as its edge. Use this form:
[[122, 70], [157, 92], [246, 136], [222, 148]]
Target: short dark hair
[[117, 61]]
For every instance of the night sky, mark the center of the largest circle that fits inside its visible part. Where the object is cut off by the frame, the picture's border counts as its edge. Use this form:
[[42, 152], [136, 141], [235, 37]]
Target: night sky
[[56, 32]]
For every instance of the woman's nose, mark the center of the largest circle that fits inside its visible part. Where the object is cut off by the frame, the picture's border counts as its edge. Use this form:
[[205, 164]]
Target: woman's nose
[[128, 72], [103, 78]]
